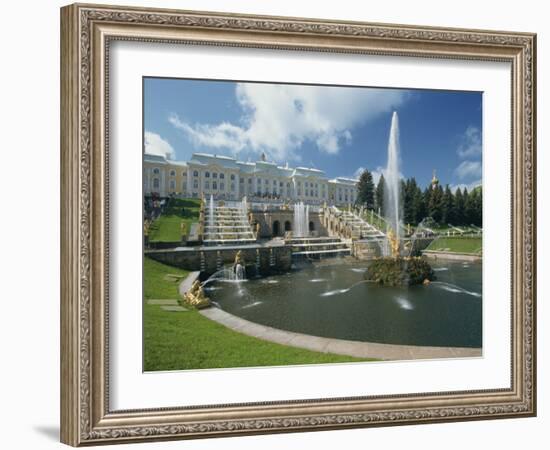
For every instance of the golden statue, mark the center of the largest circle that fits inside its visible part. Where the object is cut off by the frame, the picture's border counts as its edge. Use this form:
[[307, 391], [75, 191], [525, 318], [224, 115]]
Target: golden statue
[[394, 243], [196, 297], [239, 259]]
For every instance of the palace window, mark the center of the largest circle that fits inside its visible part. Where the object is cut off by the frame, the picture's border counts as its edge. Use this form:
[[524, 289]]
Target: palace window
[[222, 186], [184, 173], [266, 181], [207, 174], [250, 181], [196, 184], [232, 177], [222, 176], [214, 175], [214, 185], [232, 187], [156, 183], [274, 182], [156, 171], [172, 185], [281, 184], [195, 173], [241, 180], [172, 173], [206, 185]]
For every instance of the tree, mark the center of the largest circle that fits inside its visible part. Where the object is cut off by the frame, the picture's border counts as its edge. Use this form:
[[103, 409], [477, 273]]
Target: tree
[[447, 206], [469, 207], [380, 192], [473, 207], [458, 208], [435, 203], [419, 205], [409, 205], [365, 190]]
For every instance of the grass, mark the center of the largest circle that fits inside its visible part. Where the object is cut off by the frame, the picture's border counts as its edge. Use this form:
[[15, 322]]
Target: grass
[[155, 285], [188, 340], [457, 244], [167, 228]]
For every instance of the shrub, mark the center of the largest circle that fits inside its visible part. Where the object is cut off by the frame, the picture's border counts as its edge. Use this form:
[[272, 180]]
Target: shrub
[[399, 271]]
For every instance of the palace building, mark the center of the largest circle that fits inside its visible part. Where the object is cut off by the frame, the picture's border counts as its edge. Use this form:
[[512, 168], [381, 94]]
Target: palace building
[[228, 179]]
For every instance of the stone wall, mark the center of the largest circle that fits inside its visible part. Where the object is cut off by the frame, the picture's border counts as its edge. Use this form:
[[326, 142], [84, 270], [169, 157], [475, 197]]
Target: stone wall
[[208, 260], [453, 256], [285, 219], [365, 250]]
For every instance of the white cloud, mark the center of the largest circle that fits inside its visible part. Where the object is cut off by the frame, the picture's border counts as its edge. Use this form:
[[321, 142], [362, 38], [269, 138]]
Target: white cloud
[[223, 135], [468, 169], [155, 145], [470, 145], [469, 186], [278, 119], [469, 150], [358, 172]]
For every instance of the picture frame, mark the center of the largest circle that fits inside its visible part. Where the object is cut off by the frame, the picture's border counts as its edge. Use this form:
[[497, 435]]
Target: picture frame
[[87, 32]]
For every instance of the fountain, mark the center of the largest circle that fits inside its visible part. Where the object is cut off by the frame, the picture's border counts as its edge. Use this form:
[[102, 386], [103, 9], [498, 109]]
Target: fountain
[[239, 266], [211, 210], [195, 297], [391, 204], [301, 220], [236, 273], [395, 269]]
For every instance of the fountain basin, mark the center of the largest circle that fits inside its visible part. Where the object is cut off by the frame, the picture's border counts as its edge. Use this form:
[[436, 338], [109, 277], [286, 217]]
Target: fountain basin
[[332, 300]]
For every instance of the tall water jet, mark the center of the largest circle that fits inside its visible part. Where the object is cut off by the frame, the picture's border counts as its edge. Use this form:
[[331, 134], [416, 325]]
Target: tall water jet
[[211, 211], [392, 210], [301, 220]]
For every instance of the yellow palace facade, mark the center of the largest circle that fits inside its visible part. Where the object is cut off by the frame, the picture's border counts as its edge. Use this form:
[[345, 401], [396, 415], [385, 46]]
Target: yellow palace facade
[[229, 179]]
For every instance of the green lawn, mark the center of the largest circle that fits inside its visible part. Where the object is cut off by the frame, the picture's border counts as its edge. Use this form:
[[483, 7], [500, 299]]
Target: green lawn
[[167, 228], [155, 285], [457, 244], [187, 340]]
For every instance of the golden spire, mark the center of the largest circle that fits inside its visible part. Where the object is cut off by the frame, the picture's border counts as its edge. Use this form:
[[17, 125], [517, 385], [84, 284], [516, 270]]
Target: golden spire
[[435, 181]]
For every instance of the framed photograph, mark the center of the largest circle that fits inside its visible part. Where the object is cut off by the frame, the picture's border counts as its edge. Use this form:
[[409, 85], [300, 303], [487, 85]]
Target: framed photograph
[[276, 224]]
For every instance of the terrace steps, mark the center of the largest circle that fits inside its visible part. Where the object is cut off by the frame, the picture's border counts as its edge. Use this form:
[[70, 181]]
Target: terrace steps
[[227, 225]]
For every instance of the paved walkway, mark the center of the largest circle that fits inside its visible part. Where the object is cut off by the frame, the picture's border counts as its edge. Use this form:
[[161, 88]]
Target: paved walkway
[[356, 349]]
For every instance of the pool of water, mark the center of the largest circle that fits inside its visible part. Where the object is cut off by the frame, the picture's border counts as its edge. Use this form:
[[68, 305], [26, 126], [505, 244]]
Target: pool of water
[[332, 300]]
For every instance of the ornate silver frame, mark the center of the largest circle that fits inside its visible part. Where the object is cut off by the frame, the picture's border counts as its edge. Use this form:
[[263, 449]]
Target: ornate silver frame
[[86, 31]]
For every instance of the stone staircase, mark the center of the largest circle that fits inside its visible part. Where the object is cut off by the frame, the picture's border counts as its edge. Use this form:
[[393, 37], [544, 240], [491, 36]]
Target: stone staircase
[[360, 228], [229, 225], [319, 247]]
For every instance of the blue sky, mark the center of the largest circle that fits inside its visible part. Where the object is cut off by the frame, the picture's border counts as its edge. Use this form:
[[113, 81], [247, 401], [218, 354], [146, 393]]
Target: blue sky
[[337, 129]]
